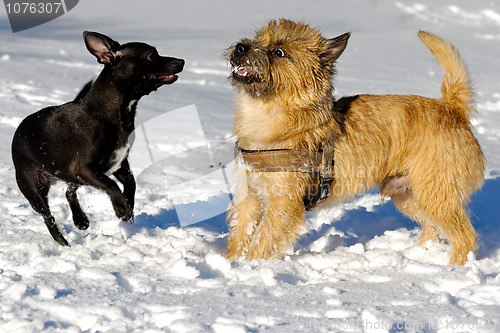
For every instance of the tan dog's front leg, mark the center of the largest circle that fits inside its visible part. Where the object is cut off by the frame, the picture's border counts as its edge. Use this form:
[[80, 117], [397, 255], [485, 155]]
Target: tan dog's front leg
[[244, 214], [281, 223]]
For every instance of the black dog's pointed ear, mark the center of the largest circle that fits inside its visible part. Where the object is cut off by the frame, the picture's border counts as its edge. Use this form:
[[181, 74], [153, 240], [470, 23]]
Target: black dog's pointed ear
[[336, 46], [101, 46]]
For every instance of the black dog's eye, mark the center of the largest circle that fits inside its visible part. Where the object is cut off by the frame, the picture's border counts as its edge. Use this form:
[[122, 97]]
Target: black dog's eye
[[279, 53], [152, 55]]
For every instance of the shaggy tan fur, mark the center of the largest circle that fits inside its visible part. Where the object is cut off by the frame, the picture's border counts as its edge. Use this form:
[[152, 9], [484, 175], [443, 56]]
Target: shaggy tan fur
[[420, 151]]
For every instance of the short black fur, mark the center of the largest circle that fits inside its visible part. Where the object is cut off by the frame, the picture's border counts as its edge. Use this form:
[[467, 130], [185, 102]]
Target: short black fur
[[84, 141]]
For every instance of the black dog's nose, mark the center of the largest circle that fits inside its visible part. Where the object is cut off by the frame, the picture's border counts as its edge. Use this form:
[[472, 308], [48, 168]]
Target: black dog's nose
[[241, 49], [180, 63]]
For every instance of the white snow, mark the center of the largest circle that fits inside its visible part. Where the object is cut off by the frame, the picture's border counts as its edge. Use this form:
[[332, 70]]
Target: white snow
[[357, 267]]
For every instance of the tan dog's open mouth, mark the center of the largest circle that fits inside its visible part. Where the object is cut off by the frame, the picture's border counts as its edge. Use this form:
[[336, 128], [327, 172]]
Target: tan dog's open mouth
[[243, 73]]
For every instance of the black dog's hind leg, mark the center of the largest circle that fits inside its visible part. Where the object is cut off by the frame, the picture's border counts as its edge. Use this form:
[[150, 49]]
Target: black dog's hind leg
[[125, 176], [79, 218], [35, 186]]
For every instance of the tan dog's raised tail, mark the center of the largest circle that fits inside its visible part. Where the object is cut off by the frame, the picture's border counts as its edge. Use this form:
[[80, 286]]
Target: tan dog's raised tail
[[420, 151]]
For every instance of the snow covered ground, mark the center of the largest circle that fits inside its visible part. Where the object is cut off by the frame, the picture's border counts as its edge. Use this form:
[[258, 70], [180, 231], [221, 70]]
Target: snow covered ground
[[354, 270]]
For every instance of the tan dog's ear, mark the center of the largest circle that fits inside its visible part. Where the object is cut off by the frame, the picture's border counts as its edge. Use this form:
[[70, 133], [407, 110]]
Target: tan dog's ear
[[336, 47]]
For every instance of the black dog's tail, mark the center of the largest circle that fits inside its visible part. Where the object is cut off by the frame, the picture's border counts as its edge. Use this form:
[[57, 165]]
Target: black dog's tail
[[84, 91]]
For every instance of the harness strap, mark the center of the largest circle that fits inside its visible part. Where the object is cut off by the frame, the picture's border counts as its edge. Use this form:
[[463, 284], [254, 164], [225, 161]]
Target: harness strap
[[281, 160], [317, 162]]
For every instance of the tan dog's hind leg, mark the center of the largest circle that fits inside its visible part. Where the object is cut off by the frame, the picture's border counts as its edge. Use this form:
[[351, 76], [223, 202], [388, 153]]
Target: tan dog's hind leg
[[406, 204], [441, 214], [453, 220], [443, 206], [398, 188]]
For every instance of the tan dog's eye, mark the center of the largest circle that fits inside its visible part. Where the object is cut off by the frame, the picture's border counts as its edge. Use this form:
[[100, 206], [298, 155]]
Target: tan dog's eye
[[279, 53]]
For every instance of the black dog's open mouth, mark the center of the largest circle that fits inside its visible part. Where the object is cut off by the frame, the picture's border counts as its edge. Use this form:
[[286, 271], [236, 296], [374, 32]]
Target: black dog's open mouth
[[168, 78], [243, 73]]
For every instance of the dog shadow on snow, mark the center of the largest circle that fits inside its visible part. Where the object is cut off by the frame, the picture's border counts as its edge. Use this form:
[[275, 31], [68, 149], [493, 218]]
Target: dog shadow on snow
[[169, 218], [356, 225]]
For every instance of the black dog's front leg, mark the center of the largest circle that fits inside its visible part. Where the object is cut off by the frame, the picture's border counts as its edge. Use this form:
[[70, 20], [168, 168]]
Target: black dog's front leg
[[100, 181], [125, 176]]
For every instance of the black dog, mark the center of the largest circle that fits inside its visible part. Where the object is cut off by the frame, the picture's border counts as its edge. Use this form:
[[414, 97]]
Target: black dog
[[84, 141]]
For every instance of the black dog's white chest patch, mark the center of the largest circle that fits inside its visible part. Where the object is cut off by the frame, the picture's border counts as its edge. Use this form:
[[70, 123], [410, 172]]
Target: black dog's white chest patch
[[132, 105], [118, 156]]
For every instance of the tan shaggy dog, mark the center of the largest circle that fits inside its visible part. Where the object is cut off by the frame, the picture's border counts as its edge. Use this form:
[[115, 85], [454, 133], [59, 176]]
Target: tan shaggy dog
[[420, 151]]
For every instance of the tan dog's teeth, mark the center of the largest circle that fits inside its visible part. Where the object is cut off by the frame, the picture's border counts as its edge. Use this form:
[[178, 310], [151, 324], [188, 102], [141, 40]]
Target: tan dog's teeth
[[241, 71]]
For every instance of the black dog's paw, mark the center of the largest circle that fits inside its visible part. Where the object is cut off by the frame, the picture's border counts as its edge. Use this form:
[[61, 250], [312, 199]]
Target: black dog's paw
[[131, 220], [123, 210], [82, 225], [58, 237], [81, 221], [54, 231], [128, 216]]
